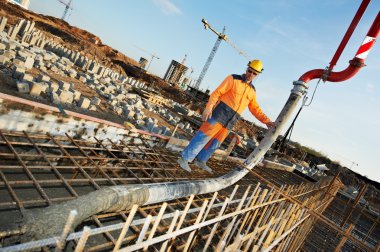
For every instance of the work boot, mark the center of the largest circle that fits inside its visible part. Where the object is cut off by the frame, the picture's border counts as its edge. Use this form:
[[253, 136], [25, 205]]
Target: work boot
[[184, 164], [202, 165]]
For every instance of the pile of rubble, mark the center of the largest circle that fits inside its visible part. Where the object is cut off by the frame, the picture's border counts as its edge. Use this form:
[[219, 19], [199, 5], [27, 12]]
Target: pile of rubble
[[23, 47]]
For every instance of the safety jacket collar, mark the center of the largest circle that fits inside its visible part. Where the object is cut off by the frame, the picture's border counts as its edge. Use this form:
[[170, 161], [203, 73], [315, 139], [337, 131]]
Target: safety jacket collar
[[250, 83]]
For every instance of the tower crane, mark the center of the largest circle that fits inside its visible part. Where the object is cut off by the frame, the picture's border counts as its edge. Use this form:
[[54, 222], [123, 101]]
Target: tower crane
[[221, 36], [152, 55], [68, 6]]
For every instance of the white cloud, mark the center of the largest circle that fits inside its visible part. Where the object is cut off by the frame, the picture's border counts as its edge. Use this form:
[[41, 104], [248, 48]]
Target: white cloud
[[167, 7], [370, 88]]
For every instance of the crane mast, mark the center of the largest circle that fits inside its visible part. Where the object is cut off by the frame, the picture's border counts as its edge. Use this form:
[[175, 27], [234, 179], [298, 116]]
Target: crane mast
[[221, 37], [67, 7]]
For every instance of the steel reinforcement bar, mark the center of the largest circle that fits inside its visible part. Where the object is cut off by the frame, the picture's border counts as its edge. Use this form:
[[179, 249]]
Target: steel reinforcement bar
[[259, 218]]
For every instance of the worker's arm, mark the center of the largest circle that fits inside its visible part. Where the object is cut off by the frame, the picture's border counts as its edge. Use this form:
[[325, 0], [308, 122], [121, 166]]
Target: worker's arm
[[259, 114], [215, 96]]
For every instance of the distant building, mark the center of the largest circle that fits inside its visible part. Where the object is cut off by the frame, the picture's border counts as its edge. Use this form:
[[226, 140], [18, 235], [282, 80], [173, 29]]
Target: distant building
[[143, 62], [23, 3], [175, 73]]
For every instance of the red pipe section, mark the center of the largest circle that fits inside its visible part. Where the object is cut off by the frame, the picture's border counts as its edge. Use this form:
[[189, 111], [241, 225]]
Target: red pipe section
[[355, 64], [350, 30]]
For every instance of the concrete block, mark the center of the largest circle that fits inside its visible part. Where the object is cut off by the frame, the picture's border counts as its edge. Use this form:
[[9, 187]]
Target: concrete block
[[139, 116], [9, 54], [64, 85], [131, 96], [38, 88], [2, 46], [92, 108], [19, 62], [84, 103], [4, 59], [83, 79], [11, 45], [47, 56], [72, 73], [42, 77], [118, 110], [181, 125], [3, 22], [25, 53], [129, 113], [120, 97], [95, 101], [29, 62], [18, 72], [77, 95], [53, 87], [27, 77], [23, 87], [65, 96]]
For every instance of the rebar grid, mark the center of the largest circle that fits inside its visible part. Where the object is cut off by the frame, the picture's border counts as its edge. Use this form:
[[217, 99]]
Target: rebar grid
[[362, 224], [219, 222], [39, 170]]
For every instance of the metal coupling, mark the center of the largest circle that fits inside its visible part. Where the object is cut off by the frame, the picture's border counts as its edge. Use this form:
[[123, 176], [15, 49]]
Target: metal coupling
[[299, 88]]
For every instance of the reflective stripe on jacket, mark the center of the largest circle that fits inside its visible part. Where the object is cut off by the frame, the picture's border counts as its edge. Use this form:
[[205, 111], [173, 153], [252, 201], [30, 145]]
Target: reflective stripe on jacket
[[237, 95]]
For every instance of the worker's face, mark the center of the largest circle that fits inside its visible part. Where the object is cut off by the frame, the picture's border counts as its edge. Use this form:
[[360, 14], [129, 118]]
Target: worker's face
[[250, 74]]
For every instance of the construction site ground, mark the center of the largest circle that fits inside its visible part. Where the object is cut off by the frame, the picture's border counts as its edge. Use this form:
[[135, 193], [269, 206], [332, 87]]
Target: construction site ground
[[40, 170]]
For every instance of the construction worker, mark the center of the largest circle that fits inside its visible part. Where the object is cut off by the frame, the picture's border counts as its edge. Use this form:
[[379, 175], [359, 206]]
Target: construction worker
[[222, 111]]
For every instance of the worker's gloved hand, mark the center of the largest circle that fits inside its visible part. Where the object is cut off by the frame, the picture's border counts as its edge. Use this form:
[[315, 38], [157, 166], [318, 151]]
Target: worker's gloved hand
[[207, 113], [271, 125]]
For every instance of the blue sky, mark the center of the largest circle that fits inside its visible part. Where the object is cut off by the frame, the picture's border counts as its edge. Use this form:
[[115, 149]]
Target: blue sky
[[289, 36]]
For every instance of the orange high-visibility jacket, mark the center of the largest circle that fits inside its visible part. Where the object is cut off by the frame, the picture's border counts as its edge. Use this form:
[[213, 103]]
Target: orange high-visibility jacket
[[237, 95]]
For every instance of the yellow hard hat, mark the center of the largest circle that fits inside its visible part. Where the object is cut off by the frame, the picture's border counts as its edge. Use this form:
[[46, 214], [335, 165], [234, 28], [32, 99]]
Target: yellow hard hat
[[256, 65]]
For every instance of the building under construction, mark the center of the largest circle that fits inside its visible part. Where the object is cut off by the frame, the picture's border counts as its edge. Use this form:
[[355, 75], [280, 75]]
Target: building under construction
[[176, 72], [82, 167]]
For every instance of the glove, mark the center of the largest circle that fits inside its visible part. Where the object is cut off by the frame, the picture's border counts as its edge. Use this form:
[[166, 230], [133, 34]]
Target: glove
[[207, 113], [271, 125]]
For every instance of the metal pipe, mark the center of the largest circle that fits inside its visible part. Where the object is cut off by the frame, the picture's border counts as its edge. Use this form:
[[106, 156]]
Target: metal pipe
[[355, 64], [350, 30]]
